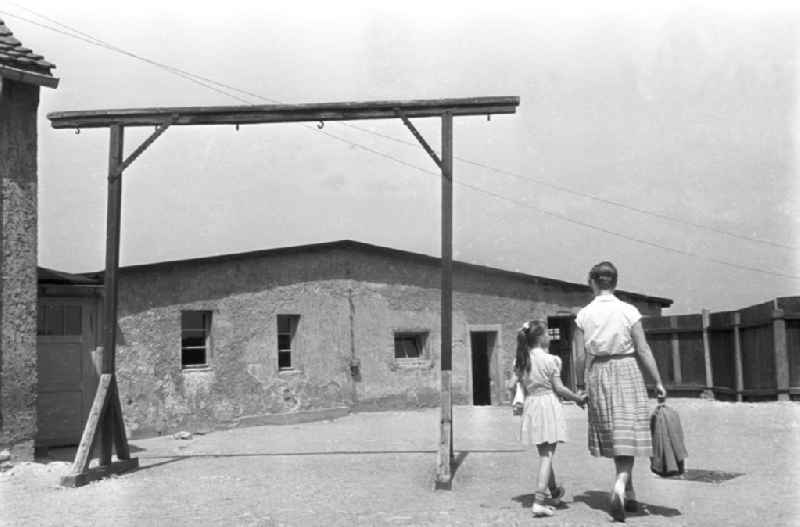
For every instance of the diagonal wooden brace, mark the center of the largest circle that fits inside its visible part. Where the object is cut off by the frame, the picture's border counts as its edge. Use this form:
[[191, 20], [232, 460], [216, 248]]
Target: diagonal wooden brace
[[105, 407], [418, 137], [142, 147]]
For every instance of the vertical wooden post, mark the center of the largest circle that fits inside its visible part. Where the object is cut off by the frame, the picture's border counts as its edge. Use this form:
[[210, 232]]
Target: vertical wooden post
[[445, 455], [113, 216], [781, 353], [677, 375], [737, 355], [708, 393], [106, 413]]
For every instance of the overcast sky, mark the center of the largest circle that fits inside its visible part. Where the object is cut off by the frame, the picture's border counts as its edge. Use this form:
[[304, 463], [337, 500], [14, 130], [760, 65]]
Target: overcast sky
[[689, 111]]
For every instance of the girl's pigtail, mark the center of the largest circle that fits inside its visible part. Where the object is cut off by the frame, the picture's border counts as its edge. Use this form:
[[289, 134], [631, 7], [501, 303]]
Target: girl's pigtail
[[523, 362]]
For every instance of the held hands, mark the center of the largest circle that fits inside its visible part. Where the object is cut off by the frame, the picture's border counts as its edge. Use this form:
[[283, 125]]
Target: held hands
[[583, 399]]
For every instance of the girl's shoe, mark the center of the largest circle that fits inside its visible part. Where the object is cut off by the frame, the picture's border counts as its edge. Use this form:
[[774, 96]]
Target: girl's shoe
[[617, 507], [540, 511], [556, 494]]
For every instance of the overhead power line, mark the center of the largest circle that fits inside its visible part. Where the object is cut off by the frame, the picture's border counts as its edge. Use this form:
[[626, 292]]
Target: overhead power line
[[225, 89], [563, 217]]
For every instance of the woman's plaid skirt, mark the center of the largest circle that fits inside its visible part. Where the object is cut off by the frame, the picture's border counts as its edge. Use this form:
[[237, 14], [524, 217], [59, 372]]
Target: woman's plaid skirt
[[619, 413]]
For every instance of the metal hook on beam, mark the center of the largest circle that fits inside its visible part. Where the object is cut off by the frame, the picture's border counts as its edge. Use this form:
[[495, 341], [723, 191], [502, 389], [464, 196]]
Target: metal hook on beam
[[488, 117], [237, 127], [77, 131], [320, 125]]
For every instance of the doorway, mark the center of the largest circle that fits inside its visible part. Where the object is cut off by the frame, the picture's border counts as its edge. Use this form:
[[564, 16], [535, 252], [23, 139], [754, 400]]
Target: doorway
[[67, 374], [483, 366], [560, 330]]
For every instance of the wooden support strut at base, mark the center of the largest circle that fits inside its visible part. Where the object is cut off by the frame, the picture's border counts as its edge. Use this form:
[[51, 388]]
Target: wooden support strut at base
[[103, 410]]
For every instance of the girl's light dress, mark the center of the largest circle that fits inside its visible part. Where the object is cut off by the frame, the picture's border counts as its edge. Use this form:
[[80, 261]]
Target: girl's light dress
[[542, 415]]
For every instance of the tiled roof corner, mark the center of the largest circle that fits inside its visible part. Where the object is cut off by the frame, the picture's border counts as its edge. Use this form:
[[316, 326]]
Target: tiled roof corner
[[14, 55]]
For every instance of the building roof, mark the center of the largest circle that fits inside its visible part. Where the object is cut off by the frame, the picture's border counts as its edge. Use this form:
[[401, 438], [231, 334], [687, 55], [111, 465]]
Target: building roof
[[51, 276], [22, 64], [370, 248]]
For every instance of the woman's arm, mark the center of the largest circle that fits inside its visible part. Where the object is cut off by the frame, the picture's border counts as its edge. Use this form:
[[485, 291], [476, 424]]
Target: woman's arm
[[646, 356], [580, 355]]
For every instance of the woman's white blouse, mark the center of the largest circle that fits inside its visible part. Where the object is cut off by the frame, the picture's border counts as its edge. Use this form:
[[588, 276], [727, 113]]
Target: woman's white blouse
[[606, 323]]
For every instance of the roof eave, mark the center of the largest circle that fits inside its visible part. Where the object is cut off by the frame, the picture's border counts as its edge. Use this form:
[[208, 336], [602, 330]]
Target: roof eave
[[344, 244], [28, 77]]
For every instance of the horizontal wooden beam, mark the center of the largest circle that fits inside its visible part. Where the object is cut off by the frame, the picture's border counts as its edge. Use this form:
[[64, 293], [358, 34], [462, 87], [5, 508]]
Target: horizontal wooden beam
[[284, 113]]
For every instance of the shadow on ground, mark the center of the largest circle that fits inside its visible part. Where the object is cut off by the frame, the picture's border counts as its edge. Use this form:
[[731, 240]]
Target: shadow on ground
[[526, 502], [599, 500], [67, 453], [706, 476], [458, 459]]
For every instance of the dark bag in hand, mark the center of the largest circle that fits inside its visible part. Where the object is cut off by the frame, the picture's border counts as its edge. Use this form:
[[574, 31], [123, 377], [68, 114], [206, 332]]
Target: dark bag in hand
[[669, 451]]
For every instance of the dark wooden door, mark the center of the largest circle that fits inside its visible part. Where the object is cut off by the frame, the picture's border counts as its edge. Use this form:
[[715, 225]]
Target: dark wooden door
[[481, 368], [67, 376]]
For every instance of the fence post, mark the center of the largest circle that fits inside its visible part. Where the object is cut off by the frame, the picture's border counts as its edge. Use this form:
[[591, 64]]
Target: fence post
[[677, 374], [708, 393], [737, 355], [781, 352]]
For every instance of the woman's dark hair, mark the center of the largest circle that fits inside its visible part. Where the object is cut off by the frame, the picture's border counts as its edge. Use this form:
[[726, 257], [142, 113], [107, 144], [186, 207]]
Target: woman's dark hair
[[604, 275], [528, 337]]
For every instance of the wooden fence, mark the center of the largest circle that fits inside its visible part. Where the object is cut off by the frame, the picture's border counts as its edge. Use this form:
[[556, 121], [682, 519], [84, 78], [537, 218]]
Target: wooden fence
[[749, 354]]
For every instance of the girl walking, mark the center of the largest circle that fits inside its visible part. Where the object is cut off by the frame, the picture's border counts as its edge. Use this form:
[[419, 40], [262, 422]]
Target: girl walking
[[543, 422]]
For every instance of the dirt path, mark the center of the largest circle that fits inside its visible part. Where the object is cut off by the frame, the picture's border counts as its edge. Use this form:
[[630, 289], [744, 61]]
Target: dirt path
[[377, 469]]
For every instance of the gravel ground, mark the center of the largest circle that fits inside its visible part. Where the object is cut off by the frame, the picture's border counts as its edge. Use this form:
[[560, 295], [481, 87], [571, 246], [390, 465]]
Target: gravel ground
[[377, 469]]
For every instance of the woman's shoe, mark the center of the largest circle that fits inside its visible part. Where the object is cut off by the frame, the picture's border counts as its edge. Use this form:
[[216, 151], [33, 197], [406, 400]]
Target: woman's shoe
[[617, 507], [540, 511]]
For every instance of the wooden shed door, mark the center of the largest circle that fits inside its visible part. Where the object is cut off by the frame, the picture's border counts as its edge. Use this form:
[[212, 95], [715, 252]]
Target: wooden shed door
[[67, 377]]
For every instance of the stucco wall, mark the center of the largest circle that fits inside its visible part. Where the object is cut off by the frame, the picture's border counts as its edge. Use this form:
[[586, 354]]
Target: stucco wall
[[350, 303], [18, 106], [242, 378]]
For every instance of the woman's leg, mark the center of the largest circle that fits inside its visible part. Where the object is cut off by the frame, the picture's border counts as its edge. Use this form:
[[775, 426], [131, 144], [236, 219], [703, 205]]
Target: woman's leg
[[624, 465], [630, 494], [631, 503]]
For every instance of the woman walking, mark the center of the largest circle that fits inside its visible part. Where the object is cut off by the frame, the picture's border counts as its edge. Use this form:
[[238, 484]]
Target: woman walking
[[610, 342]]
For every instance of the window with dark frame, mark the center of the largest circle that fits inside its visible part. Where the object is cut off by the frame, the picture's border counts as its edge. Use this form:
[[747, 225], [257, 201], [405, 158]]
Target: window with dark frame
[[408, 345], [287, 327], [195, 339]]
